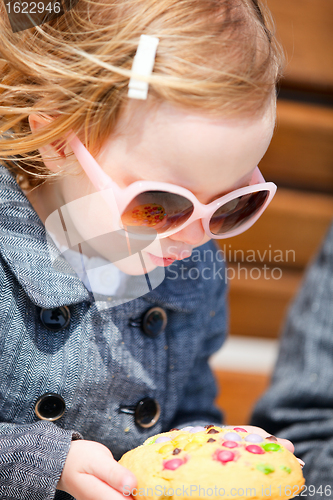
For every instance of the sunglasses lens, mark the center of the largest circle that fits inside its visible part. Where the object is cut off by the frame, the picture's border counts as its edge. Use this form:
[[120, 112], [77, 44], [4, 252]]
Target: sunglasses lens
[[156, 211], [237, 212]]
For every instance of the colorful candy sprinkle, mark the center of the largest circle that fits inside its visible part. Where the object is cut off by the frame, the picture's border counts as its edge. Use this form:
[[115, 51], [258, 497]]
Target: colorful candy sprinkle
[[239, 429], [152, 441], [176, 451], [285, 468], [167, 448], [230, 444], [181, 436], [272, 447], [197, 428], [225, 456], [191, 446], [162, 439], [254, 438], [188, 428], [265, 468], [199, 438], [253, 448], [173, 464], [232, 436]]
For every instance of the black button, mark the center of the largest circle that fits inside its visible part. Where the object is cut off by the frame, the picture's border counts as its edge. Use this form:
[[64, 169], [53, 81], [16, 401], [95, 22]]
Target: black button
[[50, 406], [146, 412], [154, 321], [55, 319]]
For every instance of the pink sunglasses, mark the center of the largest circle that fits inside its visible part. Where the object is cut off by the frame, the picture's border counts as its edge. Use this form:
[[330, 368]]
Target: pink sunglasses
[[162, 209]]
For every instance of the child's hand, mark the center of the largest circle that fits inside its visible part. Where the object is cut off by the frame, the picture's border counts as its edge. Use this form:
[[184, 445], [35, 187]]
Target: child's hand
[[91, 472]]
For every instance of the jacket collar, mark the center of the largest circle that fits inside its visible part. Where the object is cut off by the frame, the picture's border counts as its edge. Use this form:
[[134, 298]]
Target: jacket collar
[[26, 250], [24, 247]]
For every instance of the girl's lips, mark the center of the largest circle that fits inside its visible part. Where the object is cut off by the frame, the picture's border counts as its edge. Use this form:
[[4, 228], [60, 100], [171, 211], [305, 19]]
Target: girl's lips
[[158, 261]]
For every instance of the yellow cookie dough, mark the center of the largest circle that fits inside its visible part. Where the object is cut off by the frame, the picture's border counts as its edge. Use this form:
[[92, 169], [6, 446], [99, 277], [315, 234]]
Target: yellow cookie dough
[[212, 463]]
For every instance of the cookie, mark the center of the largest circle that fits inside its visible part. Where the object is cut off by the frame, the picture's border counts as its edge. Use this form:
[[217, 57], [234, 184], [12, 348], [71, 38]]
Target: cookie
[[215, 463]]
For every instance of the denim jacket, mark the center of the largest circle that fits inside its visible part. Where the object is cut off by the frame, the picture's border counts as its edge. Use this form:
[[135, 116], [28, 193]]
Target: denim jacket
[[101, 361]]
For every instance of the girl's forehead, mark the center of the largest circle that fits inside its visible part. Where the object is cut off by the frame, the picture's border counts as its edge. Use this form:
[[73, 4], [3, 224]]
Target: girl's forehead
[[140, 116], [185, 147]]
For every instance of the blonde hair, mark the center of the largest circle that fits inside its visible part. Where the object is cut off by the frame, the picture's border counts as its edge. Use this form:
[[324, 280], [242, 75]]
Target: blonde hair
[[218, 56]]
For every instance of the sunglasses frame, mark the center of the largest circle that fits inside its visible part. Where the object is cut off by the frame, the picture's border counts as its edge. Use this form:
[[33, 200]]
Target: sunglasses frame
[[123, 196]]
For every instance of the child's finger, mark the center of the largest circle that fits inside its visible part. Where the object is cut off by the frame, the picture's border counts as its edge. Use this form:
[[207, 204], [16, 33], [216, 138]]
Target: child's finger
[[287, 444], [89, 487], [112, 473]]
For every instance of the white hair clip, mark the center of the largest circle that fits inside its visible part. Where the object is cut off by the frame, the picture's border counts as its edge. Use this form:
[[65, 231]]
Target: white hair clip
[[143, 64]]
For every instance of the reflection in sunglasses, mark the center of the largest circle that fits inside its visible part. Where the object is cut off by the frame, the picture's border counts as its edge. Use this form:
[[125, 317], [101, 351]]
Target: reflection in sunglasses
[[143, 215], [236, 212], [151, 215]]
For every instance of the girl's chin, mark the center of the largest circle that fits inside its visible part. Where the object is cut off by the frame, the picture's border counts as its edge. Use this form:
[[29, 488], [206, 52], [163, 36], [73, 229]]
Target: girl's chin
[[136, 268]]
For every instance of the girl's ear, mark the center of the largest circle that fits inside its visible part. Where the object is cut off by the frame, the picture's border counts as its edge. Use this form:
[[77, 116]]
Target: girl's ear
[[54, 150]]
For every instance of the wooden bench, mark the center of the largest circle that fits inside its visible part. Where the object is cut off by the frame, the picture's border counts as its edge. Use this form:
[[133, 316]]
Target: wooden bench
[[300, 161]]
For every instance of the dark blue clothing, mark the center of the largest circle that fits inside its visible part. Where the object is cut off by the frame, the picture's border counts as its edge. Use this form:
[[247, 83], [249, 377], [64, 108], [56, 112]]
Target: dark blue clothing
[[299, 403]]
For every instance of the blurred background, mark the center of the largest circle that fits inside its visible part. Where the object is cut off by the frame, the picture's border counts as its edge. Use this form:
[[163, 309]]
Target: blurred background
[[268, 260]]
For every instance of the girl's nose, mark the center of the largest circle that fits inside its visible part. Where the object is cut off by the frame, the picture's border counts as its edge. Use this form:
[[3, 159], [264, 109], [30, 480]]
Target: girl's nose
[[192, 234]]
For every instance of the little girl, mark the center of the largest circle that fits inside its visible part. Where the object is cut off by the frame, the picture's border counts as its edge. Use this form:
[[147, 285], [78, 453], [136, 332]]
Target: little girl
[[121, 153]]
